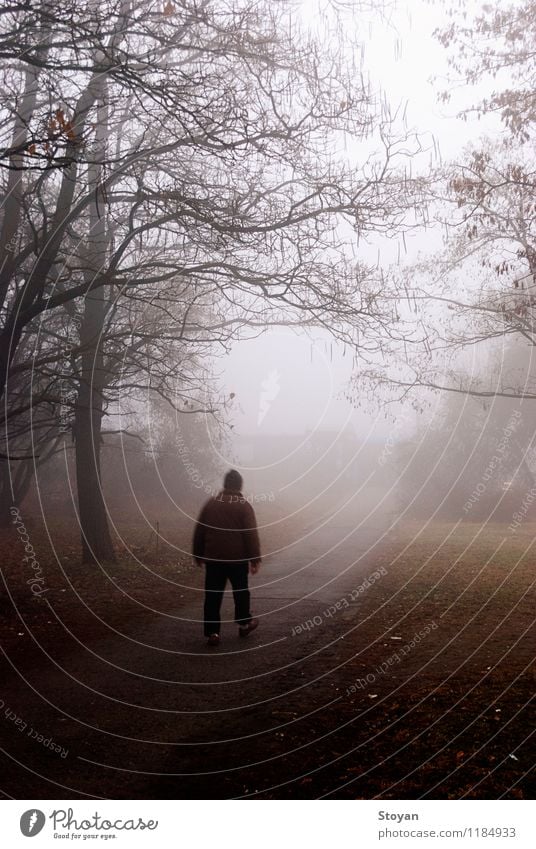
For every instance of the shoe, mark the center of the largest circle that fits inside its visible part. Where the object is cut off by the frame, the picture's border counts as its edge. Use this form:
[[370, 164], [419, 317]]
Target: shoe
[[245, 630], [214, 640]]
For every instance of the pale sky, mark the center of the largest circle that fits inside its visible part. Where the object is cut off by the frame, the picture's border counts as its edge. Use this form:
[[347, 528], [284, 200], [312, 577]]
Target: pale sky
[[402, 57], [285, 382]]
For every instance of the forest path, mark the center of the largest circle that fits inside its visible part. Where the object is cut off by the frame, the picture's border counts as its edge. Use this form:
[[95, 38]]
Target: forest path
[[163, 715]]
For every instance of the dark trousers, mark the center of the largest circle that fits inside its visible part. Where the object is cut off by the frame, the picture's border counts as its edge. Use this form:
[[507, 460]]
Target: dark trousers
[[216, 576]]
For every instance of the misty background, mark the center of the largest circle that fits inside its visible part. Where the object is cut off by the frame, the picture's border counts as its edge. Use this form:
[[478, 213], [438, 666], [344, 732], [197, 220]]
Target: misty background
[[312, 412]]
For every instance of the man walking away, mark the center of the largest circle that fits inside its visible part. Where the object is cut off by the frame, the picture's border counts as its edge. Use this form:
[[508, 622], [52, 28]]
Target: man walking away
[[226, 540]]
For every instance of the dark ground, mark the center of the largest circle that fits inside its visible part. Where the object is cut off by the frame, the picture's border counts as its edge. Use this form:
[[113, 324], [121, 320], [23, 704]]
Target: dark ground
[[117, 672]]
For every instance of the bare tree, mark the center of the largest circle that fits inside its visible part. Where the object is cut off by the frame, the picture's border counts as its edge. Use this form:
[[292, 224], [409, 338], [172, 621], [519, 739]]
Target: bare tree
[[479, 291], [195, 144], [497, 46]]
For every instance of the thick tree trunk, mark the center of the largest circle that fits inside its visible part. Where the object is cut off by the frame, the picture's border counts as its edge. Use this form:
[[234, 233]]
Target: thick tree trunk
[[97, 543], [6, 497], [89, 409]]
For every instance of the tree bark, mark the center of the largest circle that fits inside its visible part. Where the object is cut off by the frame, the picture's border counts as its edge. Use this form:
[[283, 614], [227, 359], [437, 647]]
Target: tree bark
[[97, 543], [6, 496], [14, 486]]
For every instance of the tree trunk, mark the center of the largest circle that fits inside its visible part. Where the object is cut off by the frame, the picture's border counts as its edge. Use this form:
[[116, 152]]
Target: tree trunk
[[97, 543], [14, 485], [6, 496], [89, 409]]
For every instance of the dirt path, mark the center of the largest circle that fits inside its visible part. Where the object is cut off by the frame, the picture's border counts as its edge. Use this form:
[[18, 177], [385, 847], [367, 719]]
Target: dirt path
[[156, 713]]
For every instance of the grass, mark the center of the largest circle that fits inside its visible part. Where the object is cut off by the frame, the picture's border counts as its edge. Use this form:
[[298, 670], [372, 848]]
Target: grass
[[451, 718]]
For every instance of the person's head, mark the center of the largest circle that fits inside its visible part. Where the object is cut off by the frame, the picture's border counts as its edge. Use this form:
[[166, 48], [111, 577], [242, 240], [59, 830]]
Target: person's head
[[233, 481]]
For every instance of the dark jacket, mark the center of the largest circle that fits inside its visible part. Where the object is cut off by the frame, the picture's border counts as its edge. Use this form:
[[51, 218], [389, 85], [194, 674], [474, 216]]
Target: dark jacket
[[226, 530]]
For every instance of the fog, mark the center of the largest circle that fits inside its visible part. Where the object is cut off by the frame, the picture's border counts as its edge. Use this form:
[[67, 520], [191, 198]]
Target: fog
[[290, 383], [267, 451], [293, 415]]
